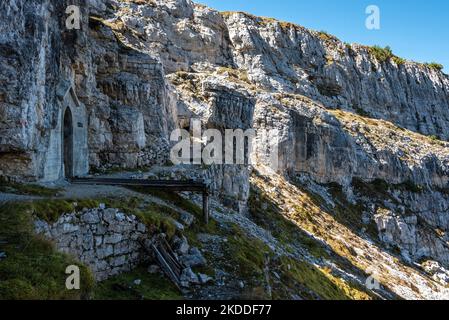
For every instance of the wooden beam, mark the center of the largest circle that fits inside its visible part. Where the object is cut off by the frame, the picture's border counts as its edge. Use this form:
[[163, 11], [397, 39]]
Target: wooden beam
[[206, 207], [164, 185]]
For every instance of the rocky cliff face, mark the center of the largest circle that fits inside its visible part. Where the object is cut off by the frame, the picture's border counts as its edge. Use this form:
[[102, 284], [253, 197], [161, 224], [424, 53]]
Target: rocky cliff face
[[377, 129], [129, 107]]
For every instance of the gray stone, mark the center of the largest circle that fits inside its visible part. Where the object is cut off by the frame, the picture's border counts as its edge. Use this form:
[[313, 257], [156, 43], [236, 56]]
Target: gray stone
[[69, 228], [120, 216], [187, 218], [90, 217], [41, 227], [178, 226], [88, 242], [125, 104], [181, 246], [154, 269], [189, 277], [105, 251], [113, 239], [194, 258], [109, 215], [141, 228], [122, 248], [118, 261], [98, 241], [137, 282], [204, 279]]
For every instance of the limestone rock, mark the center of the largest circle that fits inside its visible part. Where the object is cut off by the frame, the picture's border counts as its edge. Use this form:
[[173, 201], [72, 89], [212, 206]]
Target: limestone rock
[[194, 258], [204, 279], [188, 277]]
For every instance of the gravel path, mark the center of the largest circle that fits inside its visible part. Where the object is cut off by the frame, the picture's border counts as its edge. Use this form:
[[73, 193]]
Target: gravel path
[[76, 192]]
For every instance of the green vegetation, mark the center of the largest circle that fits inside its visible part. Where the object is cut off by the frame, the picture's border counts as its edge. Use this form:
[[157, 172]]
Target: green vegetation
[[26, 189], [248, 254], [381, 54], [348, 213], [434, 138], [32, 268], [156, 217], [122, 287], [300, 277], [268, 216], [398, 60], [362, 112], [435, 66], [235, 74], [385, 54], [318, 283], [323, 35]]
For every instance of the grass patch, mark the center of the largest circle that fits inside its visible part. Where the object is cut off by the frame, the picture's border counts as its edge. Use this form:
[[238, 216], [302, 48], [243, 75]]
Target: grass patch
[[381, 54], [267, 215], [236, 74], [314, 283], [175, 199], [32, 269], [385, 55], [361, 112], [435, 66], [248, 254], [122, 287], [345, 212], [180, 202], [27, 189], [156, 217], [398, 60], [434, 138], [326, 37]]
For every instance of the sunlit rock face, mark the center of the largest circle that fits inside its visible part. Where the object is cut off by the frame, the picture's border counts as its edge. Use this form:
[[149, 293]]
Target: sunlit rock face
[[122, 108], [341, 115]]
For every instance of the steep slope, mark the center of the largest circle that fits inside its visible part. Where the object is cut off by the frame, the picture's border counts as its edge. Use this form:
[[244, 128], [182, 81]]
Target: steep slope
[[363, 158]]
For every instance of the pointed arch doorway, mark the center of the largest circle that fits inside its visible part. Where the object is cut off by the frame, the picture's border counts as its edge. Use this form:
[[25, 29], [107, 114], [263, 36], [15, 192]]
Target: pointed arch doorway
[[68, 143]]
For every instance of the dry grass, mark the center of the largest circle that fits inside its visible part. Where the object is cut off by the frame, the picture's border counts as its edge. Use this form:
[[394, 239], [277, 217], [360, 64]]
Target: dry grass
[[306, 213], [386, 135]]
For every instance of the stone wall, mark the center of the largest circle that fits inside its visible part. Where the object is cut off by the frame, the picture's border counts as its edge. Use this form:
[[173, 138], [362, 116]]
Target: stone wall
[[106, 240]]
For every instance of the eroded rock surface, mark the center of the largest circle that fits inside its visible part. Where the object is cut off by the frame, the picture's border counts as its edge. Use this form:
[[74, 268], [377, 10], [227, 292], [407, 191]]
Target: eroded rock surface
[[377, 129]]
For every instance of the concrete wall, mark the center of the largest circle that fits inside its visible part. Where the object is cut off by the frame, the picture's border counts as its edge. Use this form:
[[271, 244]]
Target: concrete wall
[[54, 164]]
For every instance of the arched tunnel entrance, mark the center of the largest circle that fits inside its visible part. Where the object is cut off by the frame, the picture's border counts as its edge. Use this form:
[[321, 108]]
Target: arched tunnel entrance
[[68, 143]]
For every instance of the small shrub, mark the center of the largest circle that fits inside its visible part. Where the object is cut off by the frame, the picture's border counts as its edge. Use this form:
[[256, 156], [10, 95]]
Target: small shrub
[[362, 112], [399, 61], [381, 54], [435, 66], [323, 35]]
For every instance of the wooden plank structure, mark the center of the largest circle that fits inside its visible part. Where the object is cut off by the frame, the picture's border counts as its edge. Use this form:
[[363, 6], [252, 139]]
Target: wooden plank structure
[[160, 185], [162, 252]]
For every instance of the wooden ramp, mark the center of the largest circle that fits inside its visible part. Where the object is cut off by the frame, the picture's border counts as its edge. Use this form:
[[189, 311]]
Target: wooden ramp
[[159, 185], [161, 251]]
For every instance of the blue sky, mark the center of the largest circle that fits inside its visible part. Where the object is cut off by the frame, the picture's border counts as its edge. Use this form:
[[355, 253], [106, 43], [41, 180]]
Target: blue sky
[[415, 30]]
